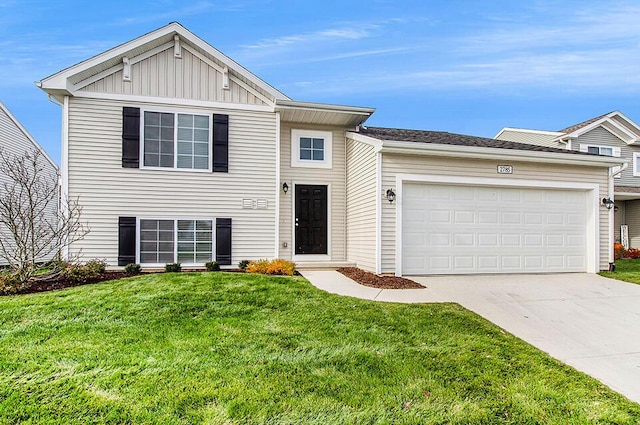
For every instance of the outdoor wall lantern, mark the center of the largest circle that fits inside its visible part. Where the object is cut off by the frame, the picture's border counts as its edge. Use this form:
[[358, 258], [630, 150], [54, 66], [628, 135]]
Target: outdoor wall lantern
[[391, 195], [608, 203], [285, 187]]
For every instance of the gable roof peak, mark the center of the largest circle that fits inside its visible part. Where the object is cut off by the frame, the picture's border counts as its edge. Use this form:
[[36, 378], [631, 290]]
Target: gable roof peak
[[63, 81]]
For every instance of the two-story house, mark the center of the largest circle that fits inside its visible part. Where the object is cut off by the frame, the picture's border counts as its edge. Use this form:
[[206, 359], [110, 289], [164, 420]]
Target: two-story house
[[15, 141], [179, 154], [612, 134]]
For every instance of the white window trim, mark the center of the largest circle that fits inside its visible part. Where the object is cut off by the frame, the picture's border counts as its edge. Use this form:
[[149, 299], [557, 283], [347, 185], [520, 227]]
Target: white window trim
[[175, 239], [615, 151], [175, 113], [636, 173], [296, 134]]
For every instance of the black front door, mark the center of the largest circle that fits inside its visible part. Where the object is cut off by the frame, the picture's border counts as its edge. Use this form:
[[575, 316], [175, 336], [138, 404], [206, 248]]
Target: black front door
[[311, 219]]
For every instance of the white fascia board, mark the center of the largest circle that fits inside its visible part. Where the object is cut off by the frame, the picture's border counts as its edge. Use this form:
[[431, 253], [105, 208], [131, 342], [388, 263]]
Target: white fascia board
[[371, 141], [579, 132], [173, 101], [624, 117], [58, 80], [458, 151], [27, 135], [529, 131], [323, 107]]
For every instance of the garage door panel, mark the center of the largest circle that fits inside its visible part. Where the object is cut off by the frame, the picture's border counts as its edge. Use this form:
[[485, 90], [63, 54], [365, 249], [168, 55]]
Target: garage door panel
[[470, 229]]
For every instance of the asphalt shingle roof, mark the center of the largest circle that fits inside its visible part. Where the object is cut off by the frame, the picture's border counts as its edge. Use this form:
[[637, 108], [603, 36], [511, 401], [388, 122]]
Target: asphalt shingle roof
[[441, 137], [582, 124]]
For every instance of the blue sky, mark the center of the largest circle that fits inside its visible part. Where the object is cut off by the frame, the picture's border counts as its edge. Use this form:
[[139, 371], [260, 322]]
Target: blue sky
[[469, 67]]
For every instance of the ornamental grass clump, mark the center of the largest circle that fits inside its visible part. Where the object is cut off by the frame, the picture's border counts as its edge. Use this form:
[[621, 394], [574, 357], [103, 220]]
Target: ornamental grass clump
[[273, 267]]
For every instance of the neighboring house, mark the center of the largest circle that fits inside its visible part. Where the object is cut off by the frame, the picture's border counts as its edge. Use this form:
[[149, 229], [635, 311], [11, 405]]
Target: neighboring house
[[178, 153], [611, 134], [16, 141]]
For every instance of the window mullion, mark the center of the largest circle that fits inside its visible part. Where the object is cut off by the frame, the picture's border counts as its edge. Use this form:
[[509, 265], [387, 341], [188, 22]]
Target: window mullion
[[175, 241]]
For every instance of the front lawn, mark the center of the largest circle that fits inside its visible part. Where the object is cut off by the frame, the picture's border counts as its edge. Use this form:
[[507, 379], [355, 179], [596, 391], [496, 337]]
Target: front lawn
[[222, 348], [627, 270]]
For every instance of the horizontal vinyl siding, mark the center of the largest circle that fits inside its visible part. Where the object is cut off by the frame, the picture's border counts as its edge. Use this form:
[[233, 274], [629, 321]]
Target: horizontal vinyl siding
[[14, 143], [163, 75], [393, 165], [361, 205], [632, 216], [531, 138], [602, 137], [106, 190], [334, 178]]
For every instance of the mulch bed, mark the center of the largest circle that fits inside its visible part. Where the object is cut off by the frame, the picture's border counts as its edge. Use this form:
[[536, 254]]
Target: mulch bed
[[61, 283], [375, 281]]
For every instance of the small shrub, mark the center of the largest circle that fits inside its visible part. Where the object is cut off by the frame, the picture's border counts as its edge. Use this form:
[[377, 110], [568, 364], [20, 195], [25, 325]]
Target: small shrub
[[275, 267], [212, 266], [132, 269], [96, 267], [618, 251], [84, 272], [281, 267], [173, 268], [9, 284], [257, 266], [632, 253], [242, 265]]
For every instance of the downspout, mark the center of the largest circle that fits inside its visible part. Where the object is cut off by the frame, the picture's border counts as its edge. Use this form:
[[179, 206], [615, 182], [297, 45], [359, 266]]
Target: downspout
[[64, 163], [612, 175], [277, 206]]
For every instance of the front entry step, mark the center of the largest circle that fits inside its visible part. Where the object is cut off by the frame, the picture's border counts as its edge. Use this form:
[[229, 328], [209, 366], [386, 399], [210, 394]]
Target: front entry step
[[323, 265]]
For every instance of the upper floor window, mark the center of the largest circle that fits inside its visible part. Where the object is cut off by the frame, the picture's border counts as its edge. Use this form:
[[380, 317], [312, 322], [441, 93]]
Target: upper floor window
[[311, 148], [600, 150], [176, 140], [636, 164]]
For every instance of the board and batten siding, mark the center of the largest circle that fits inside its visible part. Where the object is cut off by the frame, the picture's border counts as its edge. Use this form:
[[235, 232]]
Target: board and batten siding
[[531, 138], [600, 136], [107, 190], [393, 164], [163, 75], [361, 204], [334, 178], [15, 143]]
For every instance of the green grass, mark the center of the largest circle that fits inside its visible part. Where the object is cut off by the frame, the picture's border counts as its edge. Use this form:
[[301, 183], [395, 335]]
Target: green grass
[[627, 270], [223, 348]]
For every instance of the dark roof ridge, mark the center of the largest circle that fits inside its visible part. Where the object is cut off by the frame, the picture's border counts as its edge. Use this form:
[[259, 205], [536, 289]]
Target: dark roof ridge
[[443, 137]]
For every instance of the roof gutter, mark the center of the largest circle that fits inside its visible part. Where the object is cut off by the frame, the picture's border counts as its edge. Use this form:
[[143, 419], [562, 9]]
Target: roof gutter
[[479, 152], [323, 107]]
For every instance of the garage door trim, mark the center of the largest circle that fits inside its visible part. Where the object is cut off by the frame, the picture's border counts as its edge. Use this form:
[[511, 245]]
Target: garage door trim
[[593, 197]]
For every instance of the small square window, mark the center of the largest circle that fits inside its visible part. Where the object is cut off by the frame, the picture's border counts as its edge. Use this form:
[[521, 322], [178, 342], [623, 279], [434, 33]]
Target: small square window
[[310, 148]]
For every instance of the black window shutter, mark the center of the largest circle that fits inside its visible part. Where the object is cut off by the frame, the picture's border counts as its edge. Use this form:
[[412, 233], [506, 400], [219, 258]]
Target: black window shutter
[[130, 137], [126, 240], [223, 241], [220, 143]]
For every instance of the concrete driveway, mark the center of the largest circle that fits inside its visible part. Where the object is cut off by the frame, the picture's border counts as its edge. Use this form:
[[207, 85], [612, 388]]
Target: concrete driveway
[[587, 321]]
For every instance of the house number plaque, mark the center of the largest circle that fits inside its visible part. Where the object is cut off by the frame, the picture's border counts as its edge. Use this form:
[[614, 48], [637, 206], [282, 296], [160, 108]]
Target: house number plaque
[[505, 169]]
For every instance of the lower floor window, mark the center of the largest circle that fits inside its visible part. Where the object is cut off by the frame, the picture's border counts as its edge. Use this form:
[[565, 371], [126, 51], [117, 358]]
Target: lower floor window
[[158, 241]]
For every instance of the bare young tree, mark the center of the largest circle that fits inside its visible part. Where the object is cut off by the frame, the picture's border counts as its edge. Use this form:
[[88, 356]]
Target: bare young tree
[[36, 224]]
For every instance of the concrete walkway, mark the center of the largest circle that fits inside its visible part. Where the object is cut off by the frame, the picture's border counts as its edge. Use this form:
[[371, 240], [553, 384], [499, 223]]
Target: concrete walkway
[[584, 320]]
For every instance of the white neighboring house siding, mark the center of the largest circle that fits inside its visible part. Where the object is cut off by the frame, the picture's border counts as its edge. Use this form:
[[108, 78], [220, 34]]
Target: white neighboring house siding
[[334, 178], [361, 204], [163, 75], [393, 164], [14, 140], [601, 137], [107, 190], [531, 137]]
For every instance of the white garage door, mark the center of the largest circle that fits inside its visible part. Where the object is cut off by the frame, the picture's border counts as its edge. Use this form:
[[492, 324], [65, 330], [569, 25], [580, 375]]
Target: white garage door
[[452, 229]]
